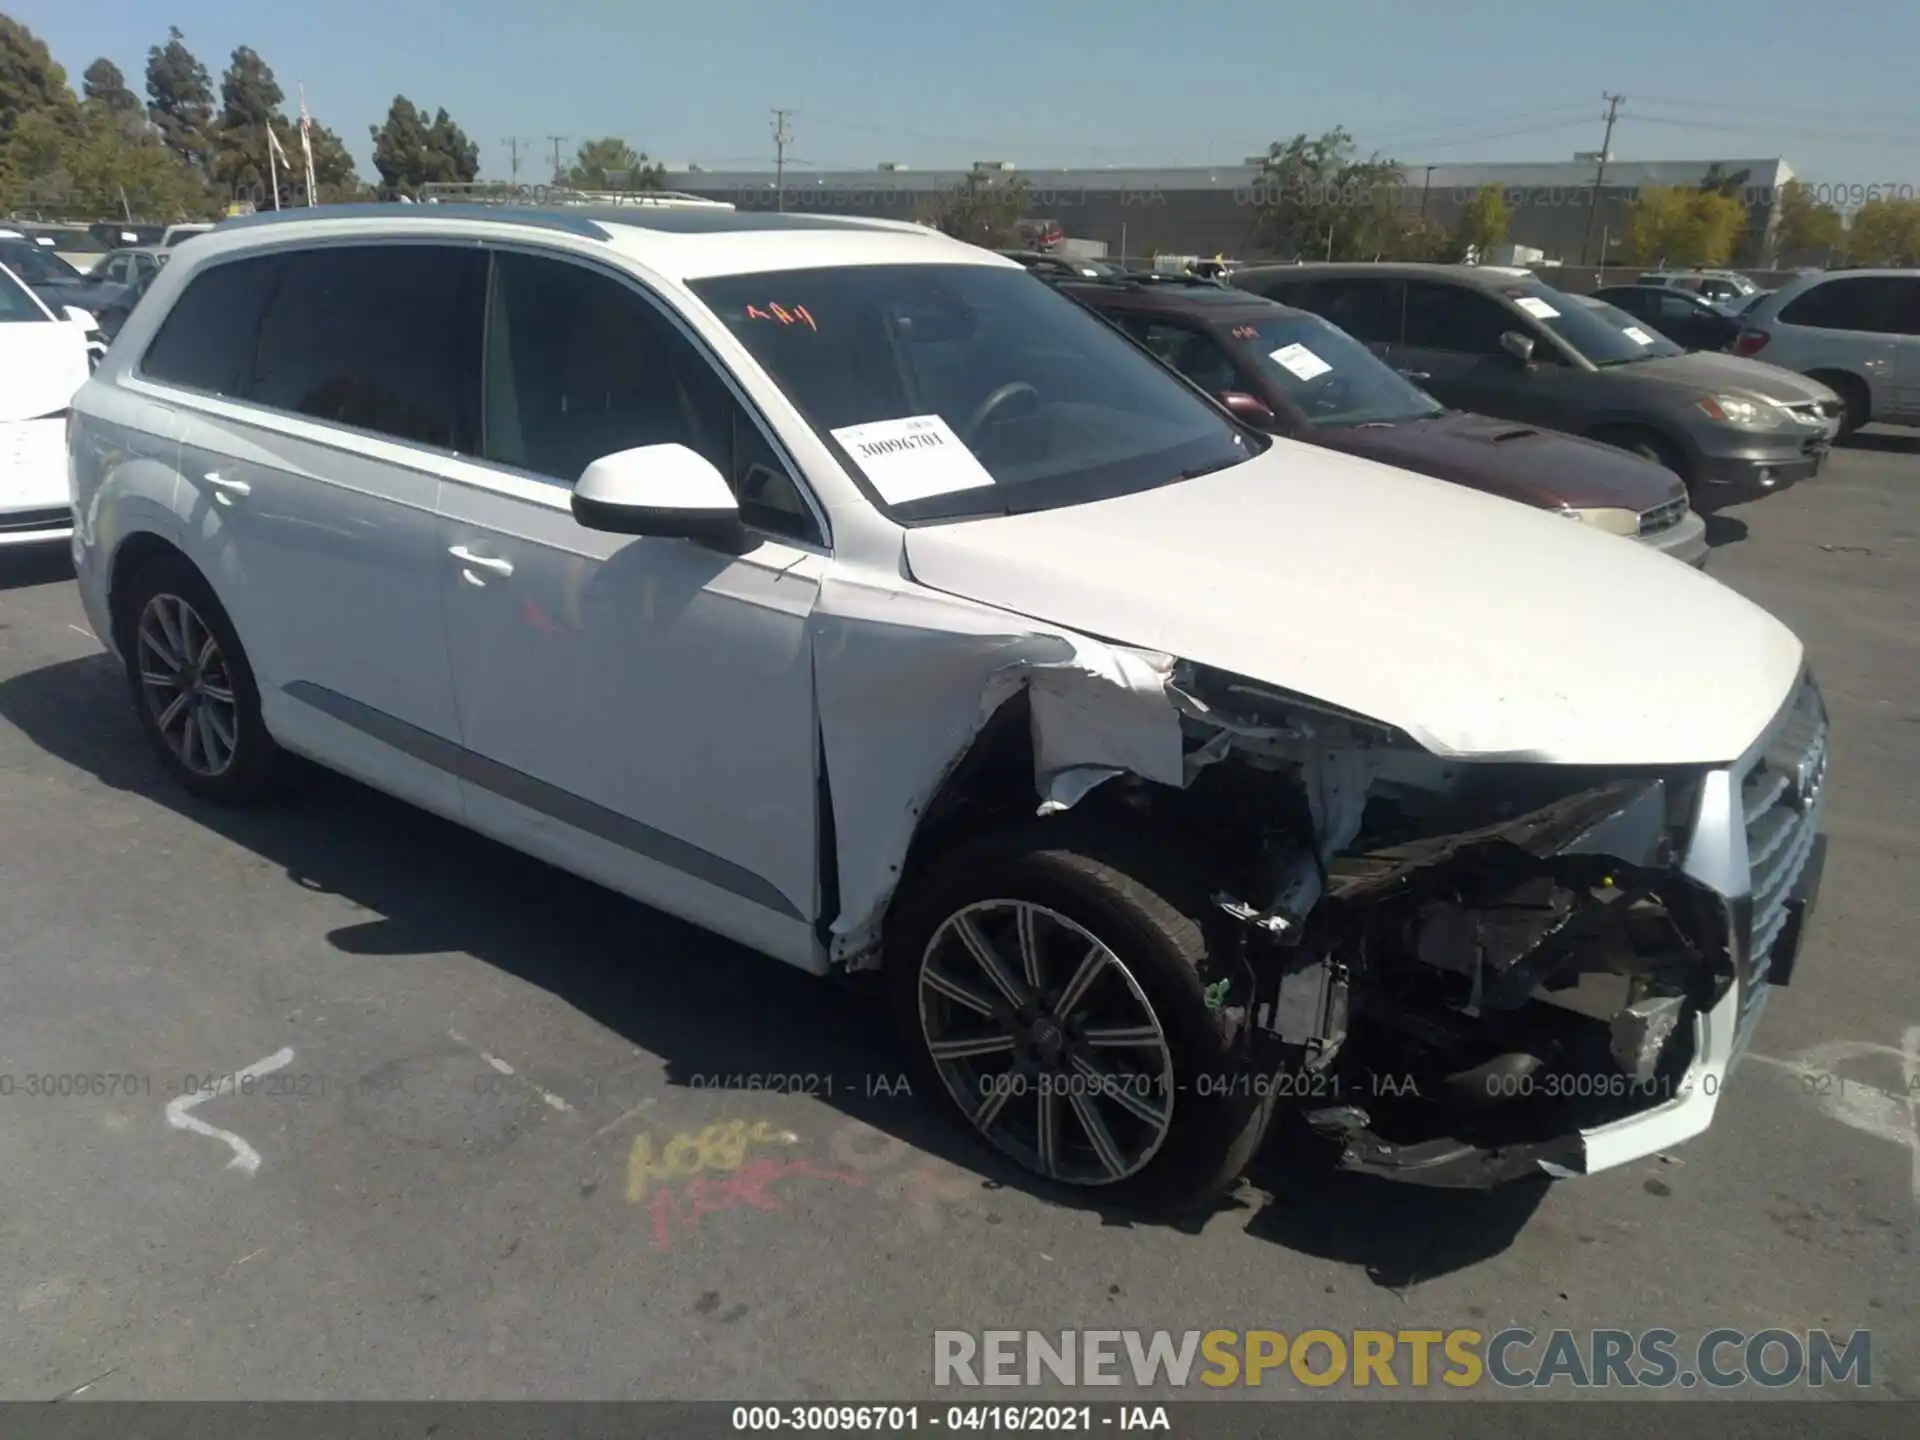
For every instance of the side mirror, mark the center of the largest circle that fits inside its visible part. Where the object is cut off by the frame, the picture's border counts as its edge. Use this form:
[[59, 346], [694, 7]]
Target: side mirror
[[76, 316], [666, 491], [1519, 346], [1248, 408]]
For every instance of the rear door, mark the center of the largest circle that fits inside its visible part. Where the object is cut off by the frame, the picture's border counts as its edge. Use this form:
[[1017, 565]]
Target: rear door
[[1905, 314], [1849, 324]]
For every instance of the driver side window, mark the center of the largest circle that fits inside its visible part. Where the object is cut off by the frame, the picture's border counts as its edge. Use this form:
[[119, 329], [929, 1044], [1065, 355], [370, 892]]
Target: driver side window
[[1456, 319], [580, 365]]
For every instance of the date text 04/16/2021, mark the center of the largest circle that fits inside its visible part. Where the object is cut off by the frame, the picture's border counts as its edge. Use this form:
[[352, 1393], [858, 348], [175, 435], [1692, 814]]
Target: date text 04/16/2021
[[807, 1082], [906, 1419]]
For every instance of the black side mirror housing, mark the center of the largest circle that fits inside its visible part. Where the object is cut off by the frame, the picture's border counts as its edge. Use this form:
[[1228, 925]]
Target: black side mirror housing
[[1519, 346]]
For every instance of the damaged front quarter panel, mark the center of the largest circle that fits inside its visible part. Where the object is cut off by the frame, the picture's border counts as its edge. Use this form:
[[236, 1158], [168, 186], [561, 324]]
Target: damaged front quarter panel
[[1475, 927]]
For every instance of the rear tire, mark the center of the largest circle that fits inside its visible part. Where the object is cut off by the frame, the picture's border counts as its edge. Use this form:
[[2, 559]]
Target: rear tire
[[1123, 1085], [192, 686]]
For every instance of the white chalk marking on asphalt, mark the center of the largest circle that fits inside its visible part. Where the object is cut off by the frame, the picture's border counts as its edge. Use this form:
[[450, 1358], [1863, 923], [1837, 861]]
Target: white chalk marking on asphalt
[[82, 630], [552, 1100], [180, 1116], [1870, 1109]]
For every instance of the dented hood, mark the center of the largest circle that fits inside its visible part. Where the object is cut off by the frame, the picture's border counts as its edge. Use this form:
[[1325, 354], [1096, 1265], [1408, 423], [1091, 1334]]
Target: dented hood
[[1482, 628]]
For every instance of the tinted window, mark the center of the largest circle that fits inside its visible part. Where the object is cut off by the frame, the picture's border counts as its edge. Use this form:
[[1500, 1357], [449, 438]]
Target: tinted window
[[1453, 317], [1676, 306], [1368, 310], [1194, 353], [1872, 303], [579, 366], [380, 337], [1052, 404], [206, 341], [16, 305], [1591, 333]]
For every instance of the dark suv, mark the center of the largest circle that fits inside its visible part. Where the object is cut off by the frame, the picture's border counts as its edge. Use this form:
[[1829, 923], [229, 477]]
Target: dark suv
[[1291, 373], [1500, 342]]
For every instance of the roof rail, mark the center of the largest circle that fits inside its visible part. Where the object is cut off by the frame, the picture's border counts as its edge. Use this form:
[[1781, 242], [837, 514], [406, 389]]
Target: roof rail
[[495, 192], [376, 210]]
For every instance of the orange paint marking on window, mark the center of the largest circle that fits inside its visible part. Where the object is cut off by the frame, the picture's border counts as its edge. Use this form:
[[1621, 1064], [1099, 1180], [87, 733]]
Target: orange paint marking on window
[[798, 315]]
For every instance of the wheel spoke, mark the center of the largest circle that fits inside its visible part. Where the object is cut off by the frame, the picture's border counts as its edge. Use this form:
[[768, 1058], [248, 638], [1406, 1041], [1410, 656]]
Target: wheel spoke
[[1121, 1036], [219, 727], [946, 985], [1090, 968], [1125, 1095], [158, 649], [170, 629], [166, 717], [1088, 1114], [991, 1106], [1026, 930], [969, 1048], [217, 693], [1047, 1132], [189, 735], [988, 960]]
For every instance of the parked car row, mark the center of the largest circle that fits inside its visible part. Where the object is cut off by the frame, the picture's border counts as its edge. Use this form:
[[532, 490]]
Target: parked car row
[[841, 588]]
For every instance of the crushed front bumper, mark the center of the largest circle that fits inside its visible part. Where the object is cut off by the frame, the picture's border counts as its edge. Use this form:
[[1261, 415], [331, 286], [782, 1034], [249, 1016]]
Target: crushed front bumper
[[1756, 845]]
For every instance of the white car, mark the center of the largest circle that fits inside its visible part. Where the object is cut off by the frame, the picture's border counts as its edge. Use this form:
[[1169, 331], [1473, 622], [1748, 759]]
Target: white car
[[43, 360], [843, 589], [1855, 331]]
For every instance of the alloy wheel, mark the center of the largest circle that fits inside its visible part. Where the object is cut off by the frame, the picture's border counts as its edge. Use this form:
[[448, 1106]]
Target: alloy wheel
[[1046, 1041], [186, 687]]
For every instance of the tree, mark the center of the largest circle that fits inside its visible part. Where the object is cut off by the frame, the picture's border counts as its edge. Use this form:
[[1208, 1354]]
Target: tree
[[1885, 232], [180, 98], [1315, 198], [238, 153], [980, 209], [1483, 222], [30, 82], [1808, 228], [108, 168], [409, 153], [612, 164], [1682, 225], [104, 85]]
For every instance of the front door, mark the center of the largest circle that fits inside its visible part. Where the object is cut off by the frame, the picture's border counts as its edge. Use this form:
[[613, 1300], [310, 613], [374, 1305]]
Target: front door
[[637, 709], [1452, 334]]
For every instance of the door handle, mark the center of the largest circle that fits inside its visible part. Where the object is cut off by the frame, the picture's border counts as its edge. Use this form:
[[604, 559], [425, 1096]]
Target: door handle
[[1416, 374], [227, 485], [480, 562]]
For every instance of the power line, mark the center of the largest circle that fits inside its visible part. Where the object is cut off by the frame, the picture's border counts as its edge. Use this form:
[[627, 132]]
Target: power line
[[1600, 172], [1855, 137]]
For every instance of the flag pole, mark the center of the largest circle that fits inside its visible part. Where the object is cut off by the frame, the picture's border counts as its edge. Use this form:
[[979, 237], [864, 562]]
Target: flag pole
[[306, 142], [273, 168]]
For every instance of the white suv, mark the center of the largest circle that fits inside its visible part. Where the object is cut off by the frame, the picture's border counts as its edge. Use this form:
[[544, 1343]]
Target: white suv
[[846, 590], [1856, 331]]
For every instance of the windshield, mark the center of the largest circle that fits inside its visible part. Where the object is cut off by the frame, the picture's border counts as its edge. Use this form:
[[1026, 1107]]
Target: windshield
[[35, 264], [1331, 376], [16, 305], [1654, 345], [963, 390], [1598, 338]]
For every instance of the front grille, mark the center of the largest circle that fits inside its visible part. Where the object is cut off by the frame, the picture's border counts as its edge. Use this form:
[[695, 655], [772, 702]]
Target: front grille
[[19, 522], [1663, 517], [1780, 794]]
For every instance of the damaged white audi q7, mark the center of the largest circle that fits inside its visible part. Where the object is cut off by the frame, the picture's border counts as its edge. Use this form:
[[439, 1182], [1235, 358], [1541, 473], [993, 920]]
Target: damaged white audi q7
[[845, 590]]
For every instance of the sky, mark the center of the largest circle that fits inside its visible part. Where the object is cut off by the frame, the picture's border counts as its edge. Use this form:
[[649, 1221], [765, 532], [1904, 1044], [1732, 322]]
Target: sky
[[1829, 87]]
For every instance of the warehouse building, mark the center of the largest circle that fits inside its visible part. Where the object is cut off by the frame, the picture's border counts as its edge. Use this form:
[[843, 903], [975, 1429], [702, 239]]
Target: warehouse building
[[1208, 210]]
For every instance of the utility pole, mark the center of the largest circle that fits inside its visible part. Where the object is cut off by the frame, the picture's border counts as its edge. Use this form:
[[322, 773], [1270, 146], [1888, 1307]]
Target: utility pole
[[1600, 172], [1425, 186], [512, 142], [782, 137], [558, 141]]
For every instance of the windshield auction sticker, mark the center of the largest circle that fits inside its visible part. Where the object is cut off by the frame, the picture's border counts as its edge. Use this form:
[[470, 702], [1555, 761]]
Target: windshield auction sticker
[[913, 458], [1637, 335], [1536, 307], [1300, 360]]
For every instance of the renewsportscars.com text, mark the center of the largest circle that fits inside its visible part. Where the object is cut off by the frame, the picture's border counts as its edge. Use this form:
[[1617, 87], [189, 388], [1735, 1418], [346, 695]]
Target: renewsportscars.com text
[[1411, 1359]]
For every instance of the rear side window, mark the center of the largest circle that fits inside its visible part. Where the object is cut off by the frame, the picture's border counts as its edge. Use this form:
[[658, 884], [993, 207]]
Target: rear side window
[[1869, 302], [380, 337], [1368, 310], [206, 341]]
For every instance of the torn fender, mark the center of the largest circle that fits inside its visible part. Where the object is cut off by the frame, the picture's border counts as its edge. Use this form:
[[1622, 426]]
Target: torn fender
[[904, 680]]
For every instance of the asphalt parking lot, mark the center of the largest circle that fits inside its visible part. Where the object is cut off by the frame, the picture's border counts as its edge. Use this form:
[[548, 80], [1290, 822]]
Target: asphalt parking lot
[[482, 1145]]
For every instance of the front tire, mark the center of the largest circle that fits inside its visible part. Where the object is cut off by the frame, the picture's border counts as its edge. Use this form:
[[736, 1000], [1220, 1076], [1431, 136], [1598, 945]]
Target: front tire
[[192, 686], [1048, 981]]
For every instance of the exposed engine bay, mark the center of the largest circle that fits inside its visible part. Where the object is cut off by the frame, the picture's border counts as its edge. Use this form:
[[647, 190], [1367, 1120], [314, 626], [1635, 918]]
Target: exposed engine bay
[[1450, 966]]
